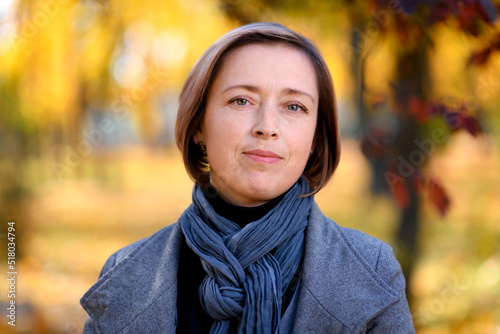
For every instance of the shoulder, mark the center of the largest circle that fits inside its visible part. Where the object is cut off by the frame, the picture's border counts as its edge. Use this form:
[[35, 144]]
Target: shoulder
[[352, 279], [376, 255], [342, 254], [373, 251], [367, 249], [379, 265], [129, 285]]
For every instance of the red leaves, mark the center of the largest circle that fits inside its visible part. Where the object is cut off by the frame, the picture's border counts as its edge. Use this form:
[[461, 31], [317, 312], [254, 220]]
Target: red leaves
[[487, 10], [400, 188], [461, 118], [456, 115], [414, 23], [482, 56], [399, 191], [419, 109], [471, 124], [468, 18], [404, 175], [471, 15], [438, 196]]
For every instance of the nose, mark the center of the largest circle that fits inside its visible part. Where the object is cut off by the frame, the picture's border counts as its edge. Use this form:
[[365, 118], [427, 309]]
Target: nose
[[266, 123]]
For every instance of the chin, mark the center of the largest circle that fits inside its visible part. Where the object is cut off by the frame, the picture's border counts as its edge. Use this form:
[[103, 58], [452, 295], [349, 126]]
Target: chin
[[266, 190]]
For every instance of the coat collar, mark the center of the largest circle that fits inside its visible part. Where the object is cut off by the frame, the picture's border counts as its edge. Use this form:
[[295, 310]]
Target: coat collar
[[338, 285]]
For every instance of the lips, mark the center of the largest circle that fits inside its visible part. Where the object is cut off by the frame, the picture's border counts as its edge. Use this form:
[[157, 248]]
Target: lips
[[261, 156]]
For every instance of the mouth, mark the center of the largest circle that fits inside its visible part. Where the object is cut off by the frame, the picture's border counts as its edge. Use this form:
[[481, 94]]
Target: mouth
[[267, 157]]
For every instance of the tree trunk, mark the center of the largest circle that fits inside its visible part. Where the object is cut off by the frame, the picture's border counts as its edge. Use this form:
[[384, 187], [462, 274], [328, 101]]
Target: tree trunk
[[411, 82]]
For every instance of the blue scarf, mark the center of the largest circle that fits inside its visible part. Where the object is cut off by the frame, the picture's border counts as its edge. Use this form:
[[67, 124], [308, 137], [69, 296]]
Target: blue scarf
[[248, 269]]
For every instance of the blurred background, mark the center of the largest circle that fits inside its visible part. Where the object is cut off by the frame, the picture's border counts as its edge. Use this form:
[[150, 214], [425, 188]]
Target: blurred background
[[88, 164]]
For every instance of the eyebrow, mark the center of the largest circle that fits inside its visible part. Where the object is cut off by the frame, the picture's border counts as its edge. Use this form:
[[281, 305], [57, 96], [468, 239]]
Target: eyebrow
[[254, 89]]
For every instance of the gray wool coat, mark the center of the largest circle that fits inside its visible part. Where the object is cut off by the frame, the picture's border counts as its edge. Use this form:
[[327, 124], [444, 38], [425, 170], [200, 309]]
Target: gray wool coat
[[350, 283]]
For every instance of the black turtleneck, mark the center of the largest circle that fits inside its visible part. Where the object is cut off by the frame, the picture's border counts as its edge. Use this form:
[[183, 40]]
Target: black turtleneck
[[241, 215], [190, 314]]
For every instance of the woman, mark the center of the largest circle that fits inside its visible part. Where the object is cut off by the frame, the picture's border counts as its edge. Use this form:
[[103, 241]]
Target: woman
[[254, 254]]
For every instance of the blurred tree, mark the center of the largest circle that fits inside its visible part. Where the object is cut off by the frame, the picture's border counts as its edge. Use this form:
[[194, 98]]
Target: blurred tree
[[74, 76], [72, 72], [400, 130], [423, 124], [46, 88]]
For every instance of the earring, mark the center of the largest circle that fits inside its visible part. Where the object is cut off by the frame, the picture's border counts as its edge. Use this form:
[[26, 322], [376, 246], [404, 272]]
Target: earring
[[203, 148]]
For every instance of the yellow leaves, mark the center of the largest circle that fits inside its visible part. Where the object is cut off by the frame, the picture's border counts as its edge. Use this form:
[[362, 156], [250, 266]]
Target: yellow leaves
[[67, 56], [488, 273], [46, 79]]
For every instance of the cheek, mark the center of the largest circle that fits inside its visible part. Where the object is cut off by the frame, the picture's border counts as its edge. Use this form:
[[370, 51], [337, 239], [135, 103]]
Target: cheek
[[223, 130], [303, 141], [222, 136]]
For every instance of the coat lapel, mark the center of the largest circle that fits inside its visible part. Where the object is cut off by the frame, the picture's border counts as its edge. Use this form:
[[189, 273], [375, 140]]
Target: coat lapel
[[340, 292], [143, 285]]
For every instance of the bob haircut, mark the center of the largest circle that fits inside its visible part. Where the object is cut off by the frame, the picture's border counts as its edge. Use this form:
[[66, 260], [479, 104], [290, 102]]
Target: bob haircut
[[326, 143]]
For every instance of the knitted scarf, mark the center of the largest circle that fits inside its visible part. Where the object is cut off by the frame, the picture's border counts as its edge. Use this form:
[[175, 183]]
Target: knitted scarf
[[248, 269]]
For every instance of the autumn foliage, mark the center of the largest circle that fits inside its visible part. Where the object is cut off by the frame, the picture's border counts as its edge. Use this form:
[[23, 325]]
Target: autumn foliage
[[414, 27]]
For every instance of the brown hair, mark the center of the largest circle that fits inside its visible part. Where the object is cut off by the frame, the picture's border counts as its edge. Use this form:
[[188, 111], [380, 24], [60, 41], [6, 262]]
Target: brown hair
[[326, 144]]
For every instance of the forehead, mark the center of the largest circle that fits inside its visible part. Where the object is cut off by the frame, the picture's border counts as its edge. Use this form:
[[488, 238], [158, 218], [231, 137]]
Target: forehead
[[263, 61], [259, 47], [265, 51]]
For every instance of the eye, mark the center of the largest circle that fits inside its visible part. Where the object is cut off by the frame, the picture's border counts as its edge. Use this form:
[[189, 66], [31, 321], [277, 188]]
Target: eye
[[239, 101], [296, 107]]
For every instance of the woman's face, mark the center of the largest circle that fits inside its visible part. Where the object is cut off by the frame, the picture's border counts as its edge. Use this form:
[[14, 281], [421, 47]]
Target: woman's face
[[259, 123]]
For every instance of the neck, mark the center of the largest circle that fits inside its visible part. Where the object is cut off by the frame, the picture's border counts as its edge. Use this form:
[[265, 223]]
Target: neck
[[241, 215]]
